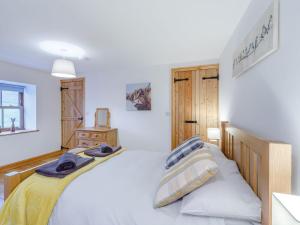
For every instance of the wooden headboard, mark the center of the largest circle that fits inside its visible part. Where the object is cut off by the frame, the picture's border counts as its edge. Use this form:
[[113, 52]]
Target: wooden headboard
[[265, 165]]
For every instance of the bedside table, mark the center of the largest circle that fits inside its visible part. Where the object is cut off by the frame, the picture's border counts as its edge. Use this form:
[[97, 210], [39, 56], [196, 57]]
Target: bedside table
[[285, 209]]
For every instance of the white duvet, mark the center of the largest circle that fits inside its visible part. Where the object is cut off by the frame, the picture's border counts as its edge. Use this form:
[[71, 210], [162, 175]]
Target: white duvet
[[120, 191]]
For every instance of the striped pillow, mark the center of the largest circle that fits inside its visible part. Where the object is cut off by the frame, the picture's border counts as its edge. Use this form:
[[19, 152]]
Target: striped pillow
[[187, 175], [183, 150]]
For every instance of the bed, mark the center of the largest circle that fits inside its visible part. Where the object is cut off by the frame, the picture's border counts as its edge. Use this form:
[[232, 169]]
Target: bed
[[121, 190]]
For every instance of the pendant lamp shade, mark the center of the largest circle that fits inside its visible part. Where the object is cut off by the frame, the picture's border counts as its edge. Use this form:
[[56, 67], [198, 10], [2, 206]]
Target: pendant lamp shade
[[63, 68]]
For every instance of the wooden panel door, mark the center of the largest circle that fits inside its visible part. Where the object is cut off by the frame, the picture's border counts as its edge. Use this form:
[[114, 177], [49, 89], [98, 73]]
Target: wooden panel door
[[72, 110], [212, 99], [182, 95], [194, 102]]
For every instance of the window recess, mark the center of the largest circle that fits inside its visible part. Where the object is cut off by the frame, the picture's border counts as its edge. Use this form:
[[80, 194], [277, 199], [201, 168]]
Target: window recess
[[11, 106]]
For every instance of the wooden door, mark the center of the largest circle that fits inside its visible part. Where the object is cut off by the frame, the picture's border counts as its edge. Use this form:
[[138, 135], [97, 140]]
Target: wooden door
[[72, 110], [182, 83], [194, 102]]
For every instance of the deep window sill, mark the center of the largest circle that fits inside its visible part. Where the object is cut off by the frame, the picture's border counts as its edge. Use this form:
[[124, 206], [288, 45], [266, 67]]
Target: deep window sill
[[7, 133]]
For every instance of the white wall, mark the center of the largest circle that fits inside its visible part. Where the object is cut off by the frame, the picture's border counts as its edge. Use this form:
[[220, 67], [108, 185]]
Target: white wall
[[149, 130], [21, 146], [265, 100]]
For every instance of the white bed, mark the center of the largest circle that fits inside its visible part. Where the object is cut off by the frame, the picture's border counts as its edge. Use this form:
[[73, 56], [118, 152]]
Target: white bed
[[121, 192]]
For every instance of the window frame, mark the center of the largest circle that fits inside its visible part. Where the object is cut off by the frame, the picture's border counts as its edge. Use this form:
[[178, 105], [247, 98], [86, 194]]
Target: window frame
[[20, 91]]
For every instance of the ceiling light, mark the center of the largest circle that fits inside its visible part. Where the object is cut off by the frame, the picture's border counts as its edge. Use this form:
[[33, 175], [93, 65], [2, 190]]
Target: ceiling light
[[63, 68], [62, 49]]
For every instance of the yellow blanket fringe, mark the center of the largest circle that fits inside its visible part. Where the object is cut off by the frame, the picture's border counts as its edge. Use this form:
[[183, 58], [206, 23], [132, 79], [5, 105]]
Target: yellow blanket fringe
[[32, 202]]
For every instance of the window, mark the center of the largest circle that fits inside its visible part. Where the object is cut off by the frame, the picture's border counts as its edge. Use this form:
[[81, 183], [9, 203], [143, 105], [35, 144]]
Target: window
[[11, 106]]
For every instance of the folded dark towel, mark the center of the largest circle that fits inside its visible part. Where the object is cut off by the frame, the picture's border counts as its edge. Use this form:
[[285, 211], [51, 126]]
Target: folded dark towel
[[66, 162], [49, 170], [106, 148], [102, 151]]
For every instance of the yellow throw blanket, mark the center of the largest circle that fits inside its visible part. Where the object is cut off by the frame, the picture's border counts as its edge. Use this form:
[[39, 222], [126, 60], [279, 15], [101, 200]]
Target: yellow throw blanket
[[32, 202]]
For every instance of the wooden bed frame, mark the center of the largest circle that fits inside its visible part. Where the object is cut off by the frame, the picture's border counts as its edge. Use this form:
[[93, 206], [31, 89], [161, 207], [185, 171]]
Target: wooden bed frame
[[13, 179], [265, 165]]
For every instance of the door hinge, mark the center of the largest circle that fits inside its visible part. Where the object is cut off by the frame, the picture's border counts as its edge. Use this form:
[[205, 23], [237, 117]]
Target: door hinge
[[178, 80], [211, 78], [62, 88], [190, 121]]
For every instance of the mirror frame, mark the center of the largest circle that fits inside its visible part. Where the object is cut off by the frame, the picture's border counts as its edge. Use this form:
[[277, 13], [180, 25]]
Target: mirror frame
[[108, 118]]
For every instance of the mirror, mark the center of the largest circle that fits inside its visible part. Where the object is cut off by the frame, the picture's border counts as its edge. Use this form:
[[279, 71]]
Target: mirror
[[102, 118]]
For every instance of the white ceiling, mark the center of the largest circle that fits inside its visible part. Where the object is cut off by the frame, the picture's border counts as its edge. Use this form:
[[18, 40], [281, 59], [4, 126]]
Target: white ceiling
[[118, 32]]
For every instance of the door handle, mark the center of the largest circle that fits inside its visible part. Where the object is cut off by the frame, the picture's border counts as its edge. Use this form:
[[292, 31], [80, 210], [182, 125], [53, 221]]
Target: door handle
[[63, 88], [80, 118], [190, 121]]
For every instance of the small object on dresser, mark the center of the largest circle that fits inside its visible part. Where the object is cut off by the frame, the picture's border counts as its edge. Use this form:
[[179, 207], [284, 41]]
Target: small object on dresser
[[13, 127], [102, 118], [285, 209]]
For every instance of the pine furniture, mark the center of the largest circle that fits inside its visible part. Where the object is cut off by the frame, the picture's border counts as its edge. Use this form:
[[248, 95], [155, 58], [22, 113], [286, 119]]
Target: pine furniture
[[89, 137]]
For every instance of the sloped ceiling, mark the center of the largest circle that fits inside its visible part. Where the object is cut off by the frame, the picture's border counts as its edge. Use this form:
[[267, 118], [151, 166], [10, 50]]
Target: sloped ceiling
[[118, 32]]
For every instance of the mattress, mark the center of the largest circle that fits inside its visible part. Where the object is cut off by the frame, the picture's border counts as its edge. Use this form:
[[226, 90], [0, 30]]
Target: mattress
[[121, 192]]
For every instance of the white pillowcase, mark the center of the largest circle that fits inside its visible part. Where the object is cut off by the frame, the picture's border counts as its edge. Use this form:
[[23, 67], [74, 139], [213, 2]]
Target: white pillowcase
[[226, 196], [226, 167]]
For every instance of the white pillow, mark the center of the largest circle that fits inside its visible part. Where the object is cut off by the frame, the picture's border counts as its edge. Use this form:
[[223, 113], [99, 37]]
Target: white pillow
[[230, 197], [226, 166], [215, 150]]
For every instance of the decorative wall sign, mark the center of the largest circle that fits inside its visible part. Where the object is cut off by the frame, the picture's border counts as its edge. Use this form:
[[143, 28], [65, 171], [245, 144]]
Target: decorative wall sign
[[260, 42], [138, 96]]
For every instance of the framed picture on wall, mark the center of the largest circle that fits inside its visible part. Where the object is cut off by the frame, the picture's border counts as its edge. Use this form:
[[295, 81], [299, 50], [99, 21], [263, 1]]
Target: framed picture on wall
[[262, 41], [138, 97]]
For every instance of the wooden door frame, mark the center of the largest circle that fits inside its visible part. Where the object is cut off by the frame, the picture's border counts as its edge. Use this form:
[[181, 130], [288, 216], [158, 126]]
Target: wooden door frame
[[173, 73], [83, 101]]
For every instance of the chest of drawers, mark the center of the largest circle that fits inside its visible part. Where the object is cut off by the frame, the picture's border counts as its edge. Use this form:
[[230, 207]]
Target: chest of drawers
[[89, 137]]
